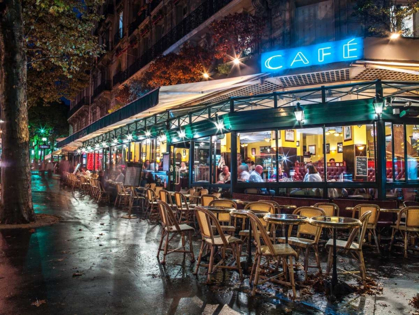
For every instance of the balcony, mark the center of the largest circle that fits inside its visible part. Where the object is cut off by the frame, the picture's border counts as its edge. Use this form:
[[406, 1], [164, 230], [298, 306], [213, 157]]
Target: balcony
[[80, 104], [134, 25], [105, 85], [187, 25]]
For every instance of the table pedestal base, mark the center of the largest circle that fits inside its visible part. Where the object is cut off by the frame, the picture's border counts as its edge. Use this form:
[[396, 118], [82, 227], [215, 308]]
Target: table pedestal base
[[338, 291]]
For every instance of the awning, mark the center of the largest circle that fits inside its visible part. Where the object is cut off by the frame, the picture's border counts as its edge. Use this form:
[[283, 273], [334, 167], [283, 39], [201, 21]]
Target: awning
[[160, 100]]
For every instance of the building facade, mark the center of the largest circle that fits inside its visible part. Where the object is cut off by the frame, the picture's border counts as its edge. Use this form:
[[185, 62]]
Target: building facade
[[316, 92]]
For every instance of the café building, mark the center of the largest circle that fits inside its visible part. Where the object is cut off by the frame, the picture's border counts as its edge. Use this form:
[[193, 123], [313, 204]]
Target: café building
[[347, 111]]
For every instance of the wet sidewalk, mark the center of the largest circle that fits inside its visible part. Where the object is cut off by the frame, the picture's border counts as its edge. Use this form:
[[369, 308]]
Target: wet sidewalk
[[95, 262]]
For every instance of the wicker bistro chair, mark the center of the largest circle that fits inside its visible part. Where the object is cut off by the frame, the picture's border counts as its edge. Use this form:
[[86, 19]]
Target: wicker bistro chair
[[204, 192], [257, 206], [102, 195], [351, 246], [152, 211], [166, 197], [372, 221], [265, 249], [213, 239], [330, 209], [206, 199], [122, 196], [171, 226], [136, 200], [407, 228], [157, 191], [186, 212], [84, 185], [94, 188], [307, 230], [225, 218], [276, 205]]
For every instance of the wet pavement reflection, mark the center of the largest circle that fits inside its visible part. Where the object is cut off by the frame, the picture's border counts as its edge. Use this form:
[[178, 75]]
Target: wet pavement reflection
[[95, 262]]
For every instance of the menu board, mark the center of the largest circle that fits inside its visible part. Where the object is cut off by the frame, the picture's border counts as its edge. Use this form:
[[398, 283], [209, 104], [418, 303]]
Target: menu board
[[361, 166], [133, 174]]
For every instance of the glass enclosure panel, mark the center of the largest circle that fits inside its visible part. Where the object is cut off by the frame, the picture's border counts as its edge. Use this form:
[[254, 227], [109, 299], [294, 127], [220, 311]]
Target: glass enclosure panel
[[412, 147], [257, 149], [221, 159], [350, 153], [398, 152], [352, 193], [307, 163], [201, 160], [389, 150]]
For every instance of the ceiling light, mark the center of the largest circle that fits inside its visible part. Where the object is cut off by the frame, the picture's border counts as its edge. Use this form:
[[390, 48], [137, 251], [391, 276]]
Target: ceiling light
[[147, 133], [299, 113], [181, 134], [129, 137]]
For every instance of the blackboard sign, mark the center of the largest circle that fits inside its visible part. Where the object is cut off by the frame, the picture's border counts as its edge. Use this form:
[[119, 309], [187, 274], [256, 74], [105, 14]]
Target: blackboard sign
[[133, 174], [361, 166]]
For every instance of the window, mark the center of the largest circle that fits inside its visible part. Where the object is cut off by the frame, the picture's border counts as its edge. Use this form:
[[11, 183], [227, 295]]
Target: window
[[350, 153], [395, 164], [257, 148], [121, 25], [221, 159], [201, 160], [412, 146], [314, 22]]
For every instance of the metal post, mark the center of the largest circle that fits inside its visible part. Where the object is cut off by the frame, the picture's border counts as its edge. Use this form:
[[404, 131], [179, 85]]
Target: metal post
[[325, 190], [191, 161], [233, 171], [381, 159]]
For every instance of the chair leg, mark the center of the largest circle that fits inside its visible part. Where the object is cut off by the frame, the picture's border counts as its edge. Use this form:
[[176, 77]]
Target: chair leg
[[211, 264], [329, 261], [393, 234], [239, 267], [199, 257], [191, 247], [362, 266], [255, 282], [376, 241], [406, 243], [316, 253], [306, 262], [161, 242], [166, 248], [291, 271]]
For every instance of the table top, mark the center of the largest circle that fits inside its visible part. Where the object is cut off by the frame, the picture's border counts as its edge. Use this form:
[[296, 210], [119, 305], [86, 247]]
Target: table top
[[219, 209], [293, 219], [335, 222], [243, 213]]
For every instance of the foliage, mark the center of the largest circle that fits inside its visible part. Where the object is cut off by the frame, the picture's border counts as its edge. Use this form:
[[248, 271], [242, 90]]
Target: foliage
[[381, 17], [224, 68], [236, 35], [60, 46], [186, 66], [51, 118]]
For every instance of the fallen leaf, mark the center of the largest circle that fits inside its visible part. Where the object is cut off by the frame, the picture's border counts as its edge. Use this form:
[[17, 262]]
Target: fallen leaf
[[77, 274], [38, 303], [32, 231]]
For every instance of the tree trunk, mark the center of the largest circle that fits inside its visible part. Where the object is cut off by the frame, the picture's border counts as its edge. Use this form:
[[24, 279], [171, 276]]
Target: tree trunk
[[15, 173]]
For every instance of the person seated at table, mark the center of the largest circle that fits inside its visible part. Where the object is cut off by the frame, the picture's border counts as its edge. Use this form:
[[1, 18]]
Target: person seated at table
[[312, 175], [250, 165], [281, 173], [146, 165], [101, 179], [120, 178], [183, 168], [256, 175], [243, 173], [224, 175]]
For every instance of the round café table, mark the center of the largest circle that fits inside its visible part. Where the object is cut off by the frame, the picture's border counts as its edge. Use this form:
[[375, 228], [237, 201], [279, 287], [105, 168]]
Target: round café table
[[218, 210], [285, 220], [242, 214], [335, 223]]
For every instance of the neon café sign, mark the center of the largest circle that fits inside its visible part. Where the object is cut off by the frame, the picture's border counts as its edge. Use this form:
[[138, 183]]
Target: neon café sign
[[314, 55]]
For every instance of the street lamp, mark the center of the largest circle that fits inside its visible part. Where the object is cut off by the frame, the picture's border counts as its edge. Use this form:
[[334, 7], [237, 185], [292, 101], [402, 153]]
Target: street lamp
[[378, 105]]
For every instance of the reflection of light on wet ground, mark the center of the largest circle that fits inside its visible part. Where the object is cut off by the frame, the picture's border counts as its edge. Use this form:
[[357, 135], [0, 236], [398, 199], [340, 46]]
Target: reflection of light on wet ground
[[120, 273]]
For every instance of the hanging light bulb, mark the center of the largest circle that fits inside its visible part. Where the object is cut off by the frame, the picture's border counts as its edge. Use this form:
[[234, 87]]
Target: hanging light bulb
[[129, 137], [181, 134]]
